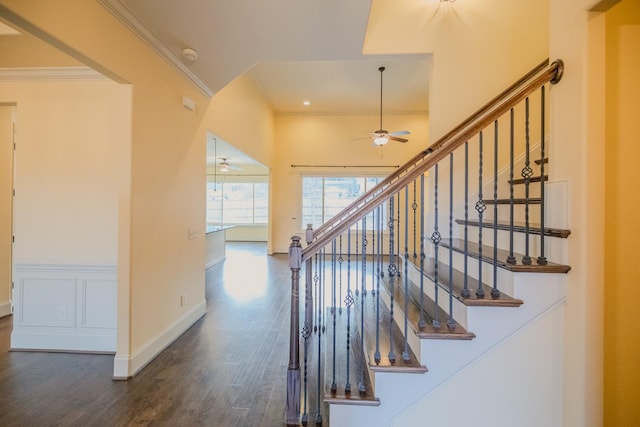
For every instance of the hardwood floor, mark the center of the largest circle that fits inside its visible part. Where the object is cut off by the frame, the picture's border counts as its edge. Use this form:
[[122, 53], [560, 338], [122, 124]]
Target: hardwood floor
[[229, 369]]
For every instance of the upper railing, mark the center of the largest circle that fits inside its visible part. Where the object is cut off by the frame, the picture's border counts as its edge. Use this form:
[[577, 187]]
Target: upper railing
[[426, 159]]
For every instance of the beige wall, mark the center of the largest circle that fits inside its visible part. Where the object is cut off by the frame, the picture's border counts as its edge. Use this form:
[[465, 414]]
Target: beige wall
[[157, 262], [6, 185], [622, 201], [66, 170]]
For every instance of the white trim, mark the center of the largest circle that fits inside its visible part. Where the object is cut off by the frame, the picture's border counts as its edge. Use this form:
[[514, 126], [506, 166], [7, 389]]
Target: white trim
[[133, 23], [5, 308], [50, 73], [127, 366], [38, 267], [215, 262]]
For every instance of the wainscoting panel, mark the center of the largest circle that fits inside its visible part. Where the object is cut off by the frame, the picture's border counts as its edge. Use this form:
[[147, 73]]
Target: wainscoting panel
[[64, 307]]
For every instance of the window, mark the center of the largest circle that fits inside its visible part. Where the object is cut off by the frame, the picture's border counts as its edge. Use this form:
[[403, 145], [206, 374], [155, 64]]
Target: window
[[325, 196], [237, 202]]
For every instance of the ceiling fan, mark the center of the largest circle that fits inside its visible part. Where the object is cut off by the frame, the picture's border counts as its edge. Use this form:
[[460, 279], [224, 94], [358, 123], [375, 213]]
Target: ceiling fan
[[381, 136], [224, 166]]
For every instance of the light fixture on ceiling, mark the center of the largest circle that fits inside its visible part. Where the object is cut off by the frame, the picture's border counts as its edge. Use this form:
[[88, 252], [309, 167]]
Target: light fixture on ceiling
[[189, 54], [447, 1], [306, 103], [224, 167], [380, 140]]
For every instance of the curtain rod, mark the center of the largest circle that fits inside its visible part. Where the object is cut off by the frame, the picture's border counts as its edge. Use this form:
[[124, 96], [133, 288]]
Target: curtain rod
[[345, 166]]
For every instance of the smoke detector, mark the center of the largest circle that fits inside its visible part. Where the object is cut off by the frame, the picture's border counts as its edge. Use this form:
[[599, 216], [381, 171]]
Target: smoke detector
[[189, 54]]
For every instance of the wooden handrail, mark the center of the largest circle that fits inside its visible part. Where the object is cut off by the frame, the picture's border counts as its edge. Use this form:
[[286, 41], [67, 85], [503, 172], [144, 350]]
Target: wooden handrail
[[423, 161]]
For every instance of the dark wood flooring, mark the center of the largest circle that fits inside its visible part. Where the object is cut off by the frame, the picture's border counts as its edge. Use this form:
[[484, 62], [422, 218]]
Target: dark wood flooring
[[229, 369]]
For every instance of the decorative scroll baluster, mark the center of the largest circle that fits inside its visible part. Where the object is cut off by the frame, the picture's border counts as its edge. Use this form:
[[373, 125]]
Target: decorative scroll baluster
[[542, 260], [527, 173], [436, 237], [392, 274], [450, 322], [480, 208], [334, 385], [465, 288], [422, 322], [495, 293], [348, 302], [320, 298], [405, 353], [377, 278], [511, 259], [361, 387], [308, 286]]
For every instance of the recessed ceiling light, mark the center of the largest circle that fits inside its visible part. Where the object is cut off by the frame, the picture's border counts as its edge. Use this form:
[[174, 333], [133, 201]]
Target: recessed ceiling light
[[306, 103]]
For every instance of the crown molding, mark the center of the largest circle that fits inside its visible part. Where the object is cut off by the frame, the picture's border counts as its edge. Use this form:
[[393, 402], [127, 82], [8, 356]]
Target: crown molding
[[49, 73], [131, 21]]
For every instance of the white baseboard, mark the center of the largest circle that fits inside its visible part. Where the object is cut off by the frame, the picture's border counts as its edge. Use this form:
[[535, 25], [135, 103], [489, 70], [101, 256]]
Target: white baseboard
[[215, 262], [126, 366], [5, 308]]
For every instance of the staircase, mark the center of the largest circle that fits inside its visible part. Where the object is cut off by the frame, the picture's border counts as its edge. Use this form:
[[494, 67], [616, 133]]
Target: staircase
[[432, 299]]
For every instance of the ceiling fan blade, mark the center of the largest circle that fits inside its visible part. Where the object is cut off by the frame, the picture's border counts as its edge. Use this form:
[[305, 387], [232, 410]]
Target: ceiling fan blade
[[235, 168], [395, 138], [400, 132]]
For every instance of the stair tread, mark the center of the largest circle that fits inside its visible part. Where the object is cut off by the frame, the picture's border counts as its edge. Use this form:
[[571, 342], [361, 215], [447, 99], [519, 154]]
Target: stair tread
[[516, 201], [412, 365], [503, 300], [427, 331], [357, 371], [519, 227], [532, 179], [540, 161], [487, 256]]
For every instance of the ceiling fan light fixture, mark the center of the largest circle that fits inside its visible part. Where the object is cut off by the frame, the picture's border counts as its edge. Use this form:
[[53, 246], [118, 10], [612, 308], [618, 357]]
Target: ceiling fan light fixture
[[224, 167], [380, 140]]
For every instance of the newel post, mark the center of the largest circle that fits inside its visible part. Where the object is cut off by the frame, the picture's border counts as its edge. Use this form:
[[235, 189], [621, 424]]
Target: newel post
[[292, 412]]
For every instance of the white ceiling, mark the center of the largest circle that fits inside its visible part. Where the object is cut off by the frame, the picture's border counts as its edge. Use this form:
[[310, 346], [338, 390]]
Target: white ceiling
[[294, 50]]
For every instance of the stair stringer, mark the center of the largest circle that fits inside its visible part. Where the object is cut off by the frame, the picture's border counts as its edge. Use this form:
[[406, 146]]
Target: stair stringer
[[452, 360]]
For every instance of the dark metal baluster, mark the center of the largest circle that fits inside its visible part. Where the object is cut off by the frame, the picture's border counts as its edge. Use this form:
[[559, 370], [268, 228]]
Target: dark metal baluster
[[376, 356], [422, 322], [450, 322], [527, 173], [316, 283], [398, 239], [373, 251], [405, 353], [436, 238], [392, 273], [511, 259], [340, 260], [320, 331], [542, 260], [414, 206], [465, 288], [348, 302], [480, 208], [356, 262], [495, 293], [306, 333], [361, 387], [334, 385]]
